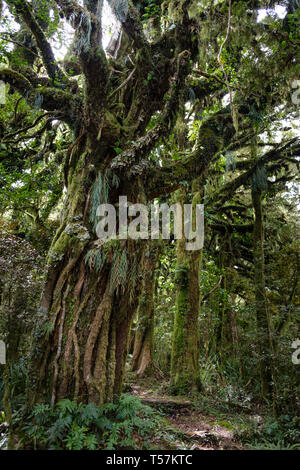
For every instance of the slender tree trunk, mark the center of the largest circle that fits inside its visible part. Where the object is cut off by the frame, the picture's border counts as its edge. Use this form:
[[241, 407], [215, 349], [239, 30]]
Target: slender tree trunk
[[261, 306], [229, 344], [226, 328], [223, 338], [142, 359]]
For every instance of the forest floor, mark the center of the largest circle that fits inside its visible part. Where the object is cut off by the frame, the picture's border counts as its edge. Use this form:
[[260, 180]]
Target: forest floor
[[195, 423]]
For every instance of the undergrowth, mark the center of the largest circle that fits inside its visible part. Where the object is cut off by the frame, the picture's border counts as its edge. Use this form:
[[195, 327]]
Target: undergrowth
[[282, 433], [255, 428], [126, 424]]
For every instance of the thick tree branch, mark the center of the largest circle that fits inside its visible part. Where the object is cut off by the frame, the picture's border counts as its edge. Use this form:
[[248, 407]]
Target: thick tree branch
[[77, 15], [274, 155], [17, 80], [88, 47], [25, 11], [86, 21], [212, 134], [62, 102], [132, 156]]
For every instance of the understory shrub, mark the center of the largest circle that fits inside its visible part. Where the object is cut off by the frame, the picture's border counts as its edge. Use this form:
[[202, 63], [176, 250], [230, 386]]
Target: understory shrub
[[125, 424]]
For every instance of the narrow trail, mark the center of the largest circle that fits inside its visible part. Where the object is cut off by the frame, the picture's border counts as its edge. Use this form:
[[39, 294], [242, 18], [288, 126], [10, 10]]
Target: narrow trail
[[193, 429]]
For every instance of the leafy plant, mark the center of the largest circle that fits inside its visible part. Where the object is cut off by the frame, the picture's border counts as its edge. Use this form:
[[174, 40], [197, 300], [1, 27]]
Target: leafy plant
[[281, 433], [125, 424]]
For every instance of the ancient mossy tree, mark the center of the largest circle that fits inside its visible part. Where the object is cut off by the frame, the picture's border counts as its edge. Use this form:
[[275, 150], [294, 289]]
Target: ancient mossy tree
[[185, 347], [85, 315], [121, 107]]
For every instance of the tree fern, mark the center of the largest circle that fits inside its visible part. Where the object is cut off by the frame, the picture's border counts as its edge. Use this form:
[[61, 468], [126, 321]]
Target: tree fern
[[118, 270]]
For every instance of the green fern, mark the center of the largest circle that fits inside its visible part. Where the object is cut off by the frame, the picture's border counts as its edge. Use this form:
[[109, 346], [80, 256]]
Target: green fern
[[83, 42], [74, 426], [95, 259], [100, 193], [96, 199]]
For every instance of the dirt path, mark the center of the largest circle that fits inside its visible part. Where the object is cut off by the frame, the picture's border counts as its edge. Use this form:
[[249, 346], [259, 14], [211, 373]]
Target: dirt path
[[193, 429]]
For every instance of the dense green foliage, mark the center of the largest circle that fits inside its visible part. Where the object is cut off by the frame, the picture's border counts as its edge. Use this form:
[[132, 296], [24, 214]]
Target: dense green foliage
[[190, 102], [126, 424]]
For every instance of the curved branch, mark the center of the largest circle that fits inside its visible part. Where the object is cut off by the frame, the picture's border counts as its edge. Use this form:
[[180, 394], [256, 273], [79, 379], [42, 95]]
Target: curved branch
[[17, 80], [59, 101], [88, 47], [166, 179], [18, 43], [27, 128], [86, 21], [273, 156], [38, 133], [25, 11], [205, 297]]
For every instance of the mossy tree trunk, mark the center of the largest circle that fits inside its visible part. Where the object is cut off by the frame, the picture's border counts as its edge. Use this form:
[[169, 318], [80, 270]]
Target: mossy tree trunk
[[82, 355], [142, 358], [81, 340], [185, 344]]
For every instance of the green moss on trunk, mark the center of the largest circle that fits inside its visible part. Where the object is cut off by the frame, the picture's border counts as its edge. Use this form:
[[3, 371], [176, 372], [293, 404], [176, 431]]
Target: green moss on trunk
[[185, 347]]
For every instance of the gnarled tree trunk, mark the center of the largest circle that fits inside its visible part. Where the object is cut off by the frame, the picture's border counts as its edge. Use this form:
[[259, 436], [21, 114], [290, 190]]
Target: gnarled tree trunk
[[89, 299]]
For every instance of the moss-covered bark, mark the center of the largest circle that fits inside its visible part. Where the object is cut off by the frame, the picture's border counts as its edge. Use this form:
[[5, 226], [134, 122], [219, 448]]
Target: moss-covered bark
[[185, 346], [81, 343], [81, 339]]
